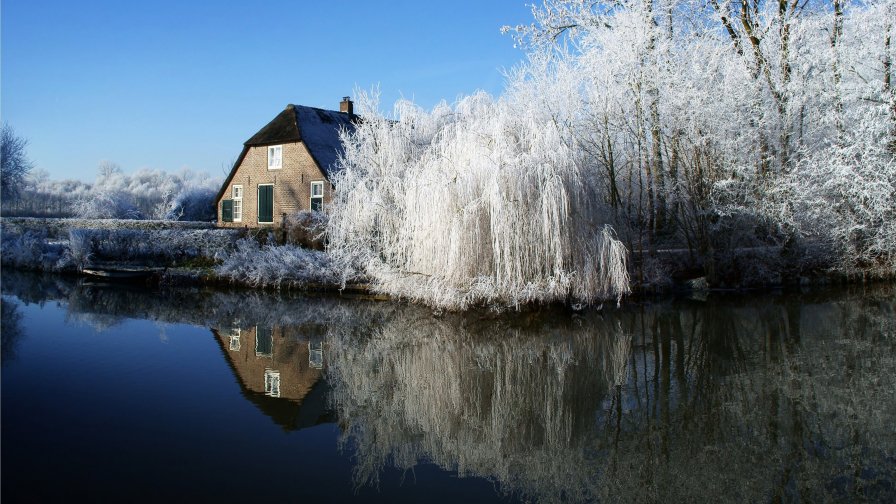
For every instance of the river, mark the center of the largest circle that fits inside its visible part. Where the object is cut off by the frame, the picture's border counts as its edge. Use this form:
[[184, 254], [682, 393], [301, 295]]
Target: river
[[128, 394]]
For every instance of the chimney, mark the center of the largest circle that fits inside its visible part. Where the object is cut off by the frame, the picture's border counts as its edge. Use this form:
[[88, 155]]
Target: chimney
[[347, 107]]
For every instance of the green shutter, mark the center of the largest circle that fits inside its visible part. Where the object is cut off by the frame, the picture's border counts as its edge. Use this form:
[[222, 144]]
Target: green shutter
[[227, 210], [266, 203]]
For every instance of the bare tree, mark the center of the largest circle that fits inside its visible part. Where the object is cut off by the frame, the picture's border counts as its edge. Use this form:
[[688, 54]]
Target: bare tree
[[15, 164]]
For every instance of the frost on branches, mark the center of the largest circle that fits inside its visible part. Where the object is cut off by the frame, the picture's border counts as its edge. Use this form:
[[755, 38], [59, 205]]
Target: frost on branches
[[732, 129], [751, 140], [483, 203]]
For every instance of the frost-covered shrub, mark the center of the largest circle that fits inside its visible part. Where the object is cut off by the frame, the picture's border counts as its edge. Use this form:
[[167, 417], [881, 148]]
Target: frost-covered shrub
[[656, 273], [279, 266], [80, 246], [483, 203], [163, 245], [846, 200], [32, 250], [306, 229], [193, 204], [59, 228], [107, 205]]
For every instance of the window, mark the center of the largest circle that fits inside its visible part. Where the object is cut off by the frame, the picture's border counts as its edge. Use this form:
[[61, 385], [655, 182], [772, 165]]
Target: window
[[317, 196], [227, 210], [235, 339], [264, 342], [235, 333], [316, 354], [272, 383], [275, 157], [237, 211], [266, 203]]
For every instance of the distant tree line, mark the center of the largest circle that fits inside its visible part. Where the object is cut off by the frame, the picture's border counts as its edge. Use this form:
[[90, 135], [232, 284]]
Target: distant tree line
[[144, 194]]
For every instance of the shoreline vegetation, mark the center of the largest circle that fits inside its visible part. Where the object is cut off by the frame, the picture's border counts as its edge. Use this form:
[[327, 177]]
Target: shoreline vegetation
[[176, 252], [199, 254]]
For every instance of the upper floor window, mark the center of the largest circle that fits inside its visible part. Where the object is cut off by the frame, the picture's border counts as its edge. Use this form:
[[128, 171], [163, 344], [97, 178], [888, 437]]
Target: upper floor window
[[317, 196], [275, 157], [235, 342]]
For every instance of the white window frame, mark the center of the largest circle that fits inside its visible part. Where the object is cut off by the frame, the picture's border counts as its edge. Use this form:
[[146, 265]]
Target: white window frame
[[271, 382], [258, 205], [316, 184], [237, 203], [272, 165], [235, 341], [316, 355]]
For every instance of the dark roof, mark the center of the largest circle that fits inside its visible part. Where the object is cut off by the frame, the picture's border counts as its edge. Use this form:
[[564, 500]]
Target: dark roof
[[317, 128]]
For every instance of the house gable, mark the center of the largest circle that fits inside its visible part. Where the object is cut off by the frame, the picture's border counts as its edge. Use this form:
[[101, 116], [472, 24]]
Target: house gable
[[316, 129], [291, 184]]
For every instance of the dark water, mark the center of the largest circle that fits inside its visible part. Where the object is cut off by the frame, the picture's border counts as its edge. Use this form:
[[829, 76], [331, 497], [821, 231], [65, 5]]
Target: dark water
[[115, 394]]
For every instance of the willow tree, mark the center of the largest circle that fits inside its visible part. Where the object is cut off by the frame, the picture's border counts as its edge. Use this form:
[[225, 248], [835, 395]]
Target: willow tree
[[482, 203]]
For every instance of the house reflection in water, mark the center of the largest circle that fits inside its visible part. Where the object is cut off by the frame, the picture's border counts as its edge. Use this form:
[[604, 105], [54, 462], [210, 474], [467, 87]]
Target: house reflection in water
[[280, 370]]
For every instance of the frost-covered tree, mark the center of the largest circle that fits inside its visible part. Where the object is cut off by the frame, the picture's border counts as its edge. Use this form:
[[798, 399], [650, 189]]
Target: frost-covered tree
[[14, 163], [752, 138], [755, 118], [106, 205], [193, 204], [154, 194], [480, 203]]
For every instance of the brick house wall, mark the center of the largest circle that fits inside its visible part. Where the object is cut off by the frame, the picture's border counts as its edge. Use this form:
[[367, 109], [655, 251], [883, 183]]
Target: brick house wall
[[292, 183]]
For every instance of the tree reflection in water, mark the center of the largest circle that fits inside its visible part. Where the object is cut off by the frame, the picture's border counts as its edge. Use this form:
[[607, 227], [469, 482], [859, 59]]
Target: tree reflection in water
[[780, 398], [777, 397], [10, 330]]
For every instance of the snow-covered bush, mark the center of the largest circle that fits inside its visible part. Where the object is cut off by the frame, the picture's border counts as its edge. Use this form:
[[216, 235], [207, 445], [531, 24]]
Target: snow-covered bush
[[32, 250], [279, 266], [162, 245], [80, 245], [106, 205], [845, 197], [60, 229], [483, 203], [193, 204], [306, 229]]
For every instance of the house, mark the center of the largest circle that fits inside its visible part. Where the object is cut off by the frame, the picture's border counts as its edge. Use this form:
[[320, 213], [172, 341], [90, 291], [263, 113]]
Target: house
[[286, 167]]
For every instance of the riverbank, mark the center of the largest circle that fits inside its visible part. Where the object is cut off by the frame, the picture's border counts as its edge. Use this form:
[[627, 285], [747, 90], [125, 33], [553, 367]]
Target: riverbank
[[175, 253], [199, 254]]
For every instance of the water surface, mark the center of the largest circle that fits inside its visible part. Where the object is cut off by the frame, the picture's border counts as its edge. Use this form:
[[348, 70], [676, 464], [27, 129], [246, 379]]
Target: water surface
[[112, 393]]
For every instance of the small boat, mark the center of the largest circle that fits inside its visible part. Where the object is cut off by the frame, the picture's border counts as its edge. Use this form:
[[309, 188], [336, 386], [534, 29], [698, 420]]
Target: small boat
[[121, 274]]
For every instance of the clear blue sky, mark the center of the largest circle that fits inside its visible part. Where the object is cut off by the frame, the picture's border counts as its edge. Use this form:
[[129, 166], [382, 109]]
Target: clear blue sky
[[173, 84]]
